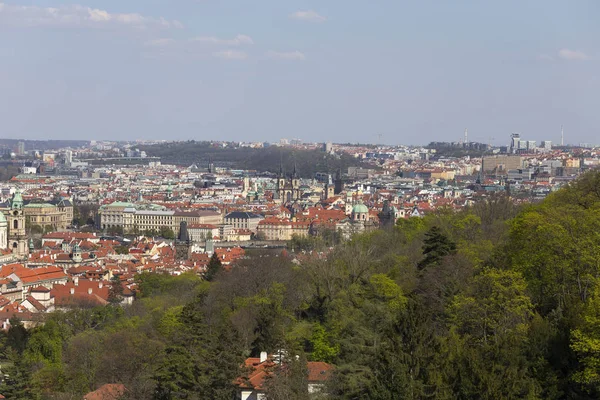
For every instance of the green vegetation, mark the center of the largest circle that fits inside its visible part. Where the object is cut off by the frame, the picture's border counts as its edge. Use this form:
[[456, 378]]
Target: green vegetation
[[308, 162], [7, 172], [493, 302], [85, 214]]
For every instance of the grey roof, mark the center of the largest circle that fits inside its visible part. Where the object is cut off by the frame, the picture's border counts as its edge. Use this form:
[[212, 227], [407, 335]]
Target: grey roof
[[243, 215]]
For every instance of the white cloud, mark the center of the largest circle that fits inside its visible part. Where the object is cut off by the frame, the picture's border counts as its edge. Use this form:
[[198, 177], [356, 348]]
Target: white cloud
[[573, 55], [239, 40], [231, 55], [163, 42], [309, 15], [77, 16], [292, 55]]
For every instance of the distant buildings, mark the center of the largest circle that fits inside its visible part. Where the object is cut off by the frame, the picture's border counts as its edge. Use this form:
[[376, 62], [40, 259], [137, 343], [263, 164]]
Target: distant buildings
[[546, 145], [500, 164], [21, 148]]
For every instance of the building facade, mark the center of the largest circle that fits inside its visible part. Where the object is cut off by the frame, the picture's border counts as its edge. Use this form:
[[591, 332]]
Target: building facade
[[17, 236]]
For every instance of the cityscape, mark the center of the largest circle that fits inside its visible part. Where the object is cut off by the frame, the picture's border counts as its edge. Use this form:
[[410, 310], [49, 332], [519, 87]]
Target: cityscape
[[285, 200]]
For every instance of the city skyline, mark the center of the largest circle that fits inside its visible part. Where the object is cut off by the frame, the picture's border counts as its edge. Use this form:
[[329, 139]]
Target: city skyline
[[339, 72]]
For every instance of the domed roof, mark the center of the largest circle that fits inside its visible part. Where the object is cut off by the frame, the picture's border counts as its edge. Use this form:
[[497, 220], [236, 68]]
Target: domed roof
[[360, 208], [17, 200]]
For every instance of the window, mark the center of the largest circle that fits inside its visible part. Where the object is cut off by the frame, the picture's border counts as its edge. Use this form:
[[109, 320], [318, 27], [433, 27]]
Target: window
[[16, 225]]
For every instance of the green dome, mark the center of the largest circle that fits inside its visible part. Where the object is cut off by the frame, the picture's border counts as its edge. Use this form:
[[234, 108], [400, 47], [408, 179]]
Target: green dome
[[360, 208], [17, 200]]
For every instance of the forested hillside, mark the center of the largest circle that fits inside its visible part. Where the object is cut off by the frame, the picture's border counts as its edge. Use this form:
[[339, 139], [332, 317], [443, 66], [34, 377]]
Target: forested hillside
[[261, 159], [493, 302]]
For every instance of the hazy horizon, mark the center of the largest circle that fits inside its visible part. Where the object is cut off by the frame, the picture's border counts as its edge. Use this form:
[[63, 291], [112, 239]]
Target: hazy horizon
[[334, 71]]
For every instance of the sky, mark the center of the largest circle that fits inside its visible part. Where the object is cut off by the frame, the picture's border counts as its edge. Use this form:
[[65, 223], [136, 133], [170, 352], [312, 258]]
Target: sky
[[386, 71]]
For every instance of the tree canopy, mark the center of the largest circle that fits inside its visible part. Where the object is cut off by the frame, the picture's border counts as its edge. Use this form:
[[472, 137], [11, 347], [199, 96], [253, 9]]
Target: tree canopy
[[491, 302]]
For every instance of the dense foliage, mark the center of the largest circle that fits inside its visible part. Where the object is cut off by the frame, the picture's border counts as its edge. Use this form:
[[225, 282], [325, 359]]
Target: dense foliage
[[268, 159], [492, 302]]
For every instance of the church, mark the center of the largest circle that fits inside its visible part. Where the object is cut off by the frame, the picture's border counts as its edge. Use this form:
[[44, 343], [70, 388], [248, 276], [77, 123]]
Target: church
[[12, 228], [288, 189]]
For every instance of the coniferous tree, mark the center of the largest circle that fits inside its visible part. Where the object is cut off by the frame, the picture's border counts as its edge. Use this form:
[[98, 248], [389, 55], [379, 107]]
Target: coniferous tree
[[213, 267], [435, 247], [115, 293]]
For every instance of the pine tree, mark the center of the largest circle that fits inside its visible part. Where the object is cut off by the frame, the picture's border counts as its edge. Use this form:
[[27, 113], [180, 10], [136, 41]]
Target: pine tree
[[213, 267], [115, 293], [435, 247]]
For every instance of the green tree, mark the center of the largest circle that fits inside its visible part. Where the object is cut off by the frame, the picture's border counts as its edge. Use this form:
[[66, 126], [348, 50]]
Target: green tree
[[166, 232], [213, 268], [435, 247], [115, 293], [489, 330], [122, 250], [585, 342]]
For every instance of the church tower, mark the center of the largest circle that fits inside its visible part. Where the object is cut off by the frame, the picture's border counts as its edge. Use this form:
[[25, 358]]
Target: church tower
[[76, 254], [339, 183], [17, 237], [3, 232], [295, 184], [329, 188]]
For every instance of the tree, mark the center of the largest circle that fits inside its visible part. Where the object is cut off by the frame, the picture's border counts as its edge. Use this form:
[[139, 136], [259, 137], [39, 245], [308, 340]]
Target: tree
[[213, 268], [17, 336], [166, 232], [115, 293], [115, 230], [488, 334], [585, 342], [122, 250], [435, 247], [288, 379]]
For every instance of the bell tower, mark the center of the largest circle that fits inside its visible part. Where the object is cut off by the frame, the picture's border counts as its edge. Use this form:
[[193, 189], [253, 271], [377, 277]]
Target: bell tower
[[17, 237]]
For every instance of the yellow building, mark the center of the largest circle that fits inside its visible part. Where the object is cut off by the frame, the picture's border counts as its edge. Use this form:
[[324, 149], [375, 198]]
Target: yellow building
[[55, 216], [46, 215]]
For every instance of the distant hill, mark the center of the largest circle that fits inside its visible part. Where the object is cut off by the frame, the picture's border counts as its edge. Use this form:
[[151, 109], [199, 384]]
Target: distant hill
[[264, 159], [44, 144]]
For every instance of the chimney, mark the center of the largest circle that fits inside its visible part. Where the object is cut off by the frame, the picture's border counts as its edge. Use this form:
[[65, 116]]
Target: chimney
[[263, 356], [72, 290], [89, 290], [76, 280], [100, 284]]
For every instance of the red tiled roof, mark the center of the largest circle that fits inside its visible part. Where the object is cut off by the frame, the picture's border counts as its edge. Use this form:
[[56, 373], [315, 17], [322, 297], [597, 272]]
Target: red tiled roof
[[258, 372], [109, 391], [40, 289]]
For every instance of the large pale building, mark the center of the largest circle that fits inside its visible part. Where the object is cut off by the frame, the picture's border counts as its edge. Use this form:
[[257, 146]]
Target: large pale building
[[56, 216], [281, 229], [150, 217], [500, 164]]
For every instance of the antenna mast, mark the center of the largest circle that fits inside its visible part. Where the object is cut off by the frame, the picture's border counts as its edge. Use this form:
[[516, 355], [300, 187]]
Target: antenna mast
[[562, 136]]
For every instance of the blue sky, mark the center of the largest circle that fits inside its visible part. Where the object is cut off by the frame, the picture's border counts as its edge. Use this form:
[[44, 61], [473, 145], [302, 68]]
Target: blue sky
[[335, 70]]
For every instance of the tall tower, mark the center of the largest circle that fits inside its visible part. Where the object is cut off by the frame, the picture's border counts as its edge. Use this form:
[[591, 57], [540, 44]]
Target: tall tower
[[281, 183], [339, 183], [562, 136], [466, 137], [76, 254], [295, 184], [329, 189], [3, 232], [17, 237]]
